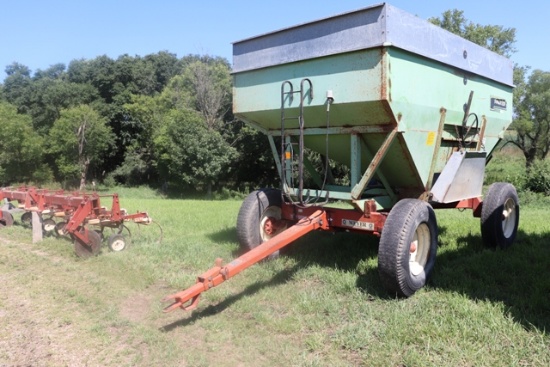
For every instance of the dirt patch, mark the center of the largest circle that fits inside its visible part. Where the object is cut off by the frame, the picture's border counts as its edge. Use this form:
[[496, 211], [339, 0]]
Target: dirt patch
[[140, 306], [33, 329], [28, 336]]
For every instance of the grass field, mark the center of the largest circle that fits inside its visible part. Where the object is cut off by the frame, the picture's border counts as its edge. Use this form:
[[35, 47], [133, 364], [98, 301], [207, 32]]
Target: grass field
[[320, 304]]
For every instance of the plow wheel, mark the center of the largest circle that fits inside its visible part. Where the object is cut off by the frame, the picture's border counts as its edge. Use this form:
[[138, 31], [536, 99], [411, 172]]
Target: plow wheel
[[26, 219], [259, 219], [48, 225], [408, 246], [60, 229], [6, 220], [83, 250], [117, 242]]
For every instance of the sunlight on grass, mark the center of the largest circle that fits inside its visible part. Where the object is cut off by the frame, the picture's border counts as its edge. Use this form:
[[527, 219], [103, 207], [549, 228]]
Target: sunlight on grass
[[320, 303]]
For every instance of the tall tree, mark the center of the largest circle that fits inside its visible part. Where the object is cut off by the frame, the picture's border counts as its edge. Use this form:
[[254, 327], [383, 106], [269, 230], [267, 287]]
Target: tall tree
[[194, 155], [79, 138], [47, 97], [532, 123], [17, 86], [206, 87], [21, 149], [494, 37], [146, 117]]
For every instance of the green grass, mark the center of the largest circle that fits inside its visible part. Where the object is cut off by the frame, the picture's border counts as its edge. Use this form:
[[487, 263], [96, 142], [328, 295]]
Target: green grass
[[321, 303]]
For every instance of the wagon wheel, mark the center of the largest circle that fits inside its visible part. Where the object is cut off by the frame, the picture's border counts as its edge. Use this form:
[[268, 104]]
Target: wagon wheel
[[26, 219], [408, 246], [48, 225], [259, 219], [83, 250], [60, 229], [6, 220], [500, 215], [117, 242]]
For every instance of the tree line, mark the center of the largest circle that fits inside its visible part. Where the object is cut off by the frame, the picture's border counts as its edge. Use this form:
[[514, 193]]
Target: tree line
[[165, 121], [531, 123], [157, 120]]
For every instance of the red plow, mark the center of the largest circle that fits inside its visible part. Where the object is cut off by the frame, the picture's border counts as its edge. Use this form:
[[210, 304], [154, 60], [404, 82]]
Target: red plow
[[73, 214]]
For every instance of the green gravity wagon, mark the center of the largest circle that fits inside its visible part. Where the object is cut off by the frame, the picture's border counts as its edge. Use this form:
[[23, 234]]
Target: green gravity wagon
[[406, 112]]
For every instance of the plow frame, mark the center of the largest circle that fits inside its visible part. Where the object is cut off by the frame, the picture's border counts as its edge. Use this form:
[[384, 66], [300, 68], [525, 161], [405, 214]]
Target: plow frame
[[79, 210]]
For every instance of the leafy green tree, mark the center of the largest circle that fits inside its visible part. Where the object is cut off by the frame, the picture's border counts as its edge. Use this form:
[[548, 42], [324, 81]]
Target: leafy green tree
[[254, 165], [47, 97], [21, 149], [117, 82], [146, 118], [204, 87], [494, 37], [194, 155], [56, 71], [532, 123], [17, 86], [79, 138], [208, 87]]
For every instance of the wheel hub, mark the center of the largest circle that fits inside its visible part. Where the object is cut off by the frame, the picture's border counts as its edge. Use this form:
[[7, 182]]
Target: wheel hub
[[270, 226], [508, 217], [419, 249], [271, 223]]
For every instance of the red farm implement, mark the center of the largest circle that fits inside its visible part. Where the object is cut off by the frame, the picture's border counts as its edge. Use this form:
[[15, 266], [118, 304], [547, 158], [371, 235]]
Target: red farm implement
[[79, 215]]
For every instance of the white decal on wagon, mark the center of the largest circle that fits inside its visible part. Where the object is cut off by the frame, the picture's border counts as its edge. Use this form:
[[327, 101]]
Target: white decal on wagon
[[366, 226]]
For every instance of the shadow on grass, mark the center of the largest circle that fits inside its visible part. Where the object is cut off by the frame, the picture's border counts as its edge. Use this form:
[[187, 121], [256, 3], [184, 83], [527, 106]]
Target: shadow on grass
[[211, 310], [518, 277], [341, 251], [225, 235]]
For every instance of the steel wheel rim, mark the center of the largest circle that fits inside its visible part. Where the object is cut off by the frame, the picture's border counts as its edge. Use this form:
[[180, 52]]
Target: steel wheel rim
[[419, 249], [60, 229], [118, 245], [270, 215], [49, 225], [508, 217]]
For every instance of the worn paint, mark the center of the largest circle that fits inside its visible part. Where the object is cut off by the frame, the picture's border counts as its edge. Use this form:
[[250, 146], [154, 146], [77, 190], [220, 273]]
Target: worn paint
[[374, 89]]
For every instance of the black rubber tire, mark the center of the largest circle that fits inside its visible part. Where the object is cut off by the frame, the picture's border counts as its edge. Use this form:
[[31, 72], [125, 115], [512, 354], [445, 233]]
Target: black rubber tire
[[117, 242], [7, 219], [83, 250], [394, 253], [500, 215], [250, 216]]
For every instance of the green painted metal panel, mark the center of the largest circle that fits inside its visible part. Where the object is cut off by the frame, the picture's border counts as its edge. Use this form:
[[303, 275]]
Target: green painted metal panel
[[421, 87], [376, 87], [354, 79]]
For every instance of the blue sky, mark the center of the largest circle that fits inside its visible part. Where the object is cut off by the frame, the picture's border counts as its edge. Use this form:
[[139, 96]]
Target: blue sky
[[40, 33]]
